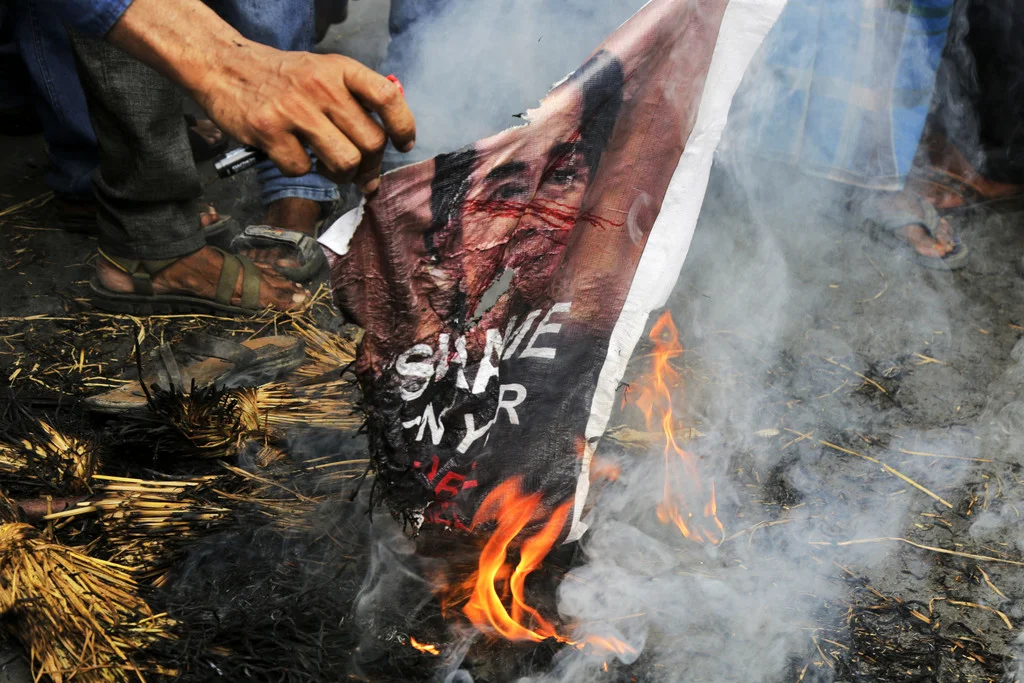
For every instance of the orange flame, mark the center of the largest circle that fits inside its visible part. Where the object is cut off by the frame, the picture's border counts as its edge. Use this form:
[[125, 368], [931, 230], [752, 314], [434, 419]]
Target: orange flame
[[424, 647], [514, 511], [682, 479]]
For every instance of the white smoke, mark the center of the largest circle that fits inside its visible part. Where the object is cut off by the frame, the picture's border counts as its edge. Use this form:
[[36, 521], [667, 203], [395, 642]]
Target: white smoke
[[472, 66]]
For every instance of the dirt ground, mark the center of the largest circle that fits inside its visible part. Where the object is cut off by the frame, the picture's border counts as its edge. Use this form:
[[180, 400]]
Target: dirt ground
[[838, 388]]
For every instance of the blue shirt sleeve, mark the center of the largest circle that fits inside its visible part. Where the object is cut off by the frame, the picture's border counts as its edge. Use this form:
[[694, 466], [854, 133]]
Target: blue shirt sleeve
[[92, 17]]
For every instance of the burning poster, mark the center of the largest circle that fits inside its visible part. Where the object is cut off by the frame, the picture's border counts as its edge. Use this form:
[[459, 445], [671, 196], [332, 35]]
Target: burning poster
[[503, 287]]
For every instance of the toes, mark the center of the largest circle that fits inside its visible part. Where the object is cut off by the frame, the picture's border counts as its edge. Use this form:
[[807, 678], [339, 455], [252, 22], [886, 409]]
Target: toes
[[282, 294], [208, 216], [925, 244], [209, 131], [945, 231]]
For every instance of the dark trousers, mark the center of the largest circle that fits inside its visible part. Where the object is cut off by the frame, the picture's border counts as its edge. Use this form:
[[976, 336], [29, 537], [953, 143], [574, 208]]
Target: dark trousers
[[996, 37], [979, 102], [56, 94], [147, 185]]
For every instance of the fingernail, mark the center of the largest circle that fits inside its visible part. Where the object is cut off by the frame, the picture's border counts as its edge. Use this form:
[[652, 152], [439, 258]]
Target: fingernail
[[371, 186], [408, 147]]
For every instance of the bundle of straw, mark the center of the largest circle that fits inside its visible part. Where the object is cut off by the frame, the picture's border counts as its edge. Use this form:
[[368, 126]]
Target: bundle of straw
[[79, 618], [61, 461], [327, 352], [146, 524], [317, 394], [279, 406], [11, 461], [208, 422], [205, 422], [9, 510]]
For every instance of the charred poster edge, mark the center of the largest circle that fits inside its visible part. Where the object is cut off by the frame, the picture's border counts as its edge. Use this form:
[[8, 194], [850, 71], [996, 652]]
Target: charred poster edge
[[743, 29]]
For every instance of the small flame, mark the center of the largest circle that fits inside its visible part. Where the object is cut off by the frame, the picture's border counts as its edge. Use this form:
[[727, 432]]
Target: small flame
[[424, 647], [513, 511], [682, 479]]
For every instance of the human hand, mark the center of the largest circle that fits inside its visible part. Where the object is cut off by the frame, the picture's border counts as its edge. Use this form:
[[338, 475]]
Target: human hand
[[279, 101]]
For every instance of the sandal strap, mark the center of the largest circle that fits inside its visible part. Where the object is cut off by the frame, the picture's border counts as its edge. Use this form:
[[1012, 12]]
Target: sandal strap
[[304, 247], [949, 182], [893, 220], [251, 280], [256, 236], [141, 271], [208, 346], [167, 371], [228, 278], [930, 220]]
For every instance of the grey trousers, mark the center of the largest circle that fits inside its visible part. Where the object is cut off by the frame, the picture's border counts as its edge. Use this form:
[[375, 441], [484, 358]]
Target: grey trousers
[[146, 185]]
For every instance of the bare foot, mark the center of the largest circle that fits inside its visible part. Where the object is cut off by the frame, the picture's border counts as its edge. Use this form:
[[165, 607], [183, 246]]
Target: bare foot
[[197, 275], [290, 213], [209, 131], [915, 235], [943, 156], [208, 216]]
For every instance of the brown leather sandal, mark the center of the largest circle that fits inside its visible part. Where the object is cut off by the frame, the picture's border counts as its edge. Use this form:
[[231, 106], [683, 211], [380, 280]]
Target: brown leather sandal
[[144, 301]]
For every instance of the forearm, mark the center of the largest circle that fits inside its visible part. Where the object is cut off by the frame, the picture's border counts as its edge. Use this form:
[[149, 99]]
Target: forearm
[[183, 39], [278, 101]]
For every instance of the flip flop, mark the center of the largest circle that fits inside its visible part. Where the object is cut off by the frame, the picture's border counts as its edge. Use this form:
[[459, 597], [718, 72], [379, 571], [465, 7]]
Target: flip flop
[[306, 249], [227, 365], [143, 301], [884, 224]]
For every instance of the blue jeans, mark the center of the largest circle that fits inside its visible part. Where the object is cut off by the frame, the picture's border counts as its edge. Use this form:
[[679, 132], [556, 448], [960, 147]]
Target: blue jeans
[[57, 95], [286, 25]]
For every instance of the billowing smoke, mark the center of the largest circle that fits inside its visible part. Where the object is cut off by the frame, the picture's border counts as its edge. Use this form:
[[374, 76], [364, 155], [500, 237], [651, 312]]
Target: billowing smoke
[[470, 67]]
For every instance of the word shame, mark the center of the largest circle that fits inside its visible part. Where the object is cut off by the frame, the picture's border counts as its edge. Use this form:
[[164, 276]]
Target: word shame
[[421, 365]]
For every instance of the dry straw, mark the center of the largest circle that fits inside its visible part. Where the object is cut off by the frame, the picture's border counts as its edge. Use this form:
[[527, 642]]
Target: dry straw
[[44, 454], [79, 618]]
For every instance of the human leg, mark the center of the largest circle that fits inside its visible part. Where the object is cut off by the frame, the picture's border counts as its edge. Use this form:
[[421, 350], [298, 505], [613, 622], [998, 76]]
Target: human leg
[[147, 187], [59, 101]]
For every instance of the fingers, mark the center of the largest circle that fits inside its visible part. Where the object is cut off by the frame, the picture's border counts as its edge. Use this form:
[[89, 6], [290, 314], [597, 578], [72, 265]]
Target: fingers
[[339, 158], [288, 154], [269, 128], [366, 134], [334, 117], [383, 97]]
